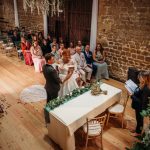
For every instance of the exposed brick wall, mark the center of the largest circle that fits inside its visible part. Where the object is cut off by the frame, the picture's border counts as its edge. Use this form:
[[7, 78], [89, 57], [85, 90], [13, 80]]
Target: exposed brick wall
[[6, 14], [30, 21], [125, 26]]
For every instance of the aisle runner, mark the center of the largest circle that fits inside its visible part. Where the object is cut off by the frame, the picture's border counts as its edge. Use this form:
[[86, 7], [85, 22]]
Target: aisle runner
[[33, 93]]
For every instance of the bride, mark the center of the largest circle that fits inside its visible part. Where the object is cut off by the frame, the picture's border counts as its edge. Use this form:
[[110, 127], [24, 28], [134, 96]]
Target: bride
[[67, 74]]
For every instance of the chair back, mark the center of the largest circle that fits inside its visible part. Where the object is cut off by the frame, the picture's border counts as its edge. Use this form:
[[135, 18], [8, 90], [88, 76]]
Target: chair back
[[125, 101], [94, 122]]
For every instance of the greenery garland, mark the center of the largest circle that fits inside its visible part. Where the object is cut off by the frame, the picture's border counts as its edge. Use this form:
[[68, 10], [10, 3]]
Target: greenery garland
[[61, 100]]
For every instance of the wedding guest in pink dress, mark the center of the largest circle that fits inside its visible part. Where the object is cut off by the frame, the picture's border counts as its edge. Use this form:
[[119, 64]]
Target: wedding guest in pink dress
[[37, 57]]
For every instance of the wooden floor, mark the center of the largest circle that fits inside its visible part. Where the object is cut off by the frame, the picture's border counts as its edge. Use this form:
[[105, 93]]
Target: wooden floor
[[22, 126]]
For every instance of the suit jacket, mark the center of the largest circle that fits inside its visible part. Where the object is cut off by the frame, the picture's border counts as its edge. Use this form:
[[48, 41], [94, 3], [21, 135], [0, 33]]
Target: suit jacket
[[52, 79], [140, 98], [88, 58], [80, 60]]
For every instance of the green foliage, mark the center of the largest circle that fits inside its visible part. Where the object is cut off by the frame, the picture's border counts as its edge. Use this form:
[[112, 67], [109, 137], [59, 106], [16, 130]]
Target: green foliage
[[146, 113], [61, 100]]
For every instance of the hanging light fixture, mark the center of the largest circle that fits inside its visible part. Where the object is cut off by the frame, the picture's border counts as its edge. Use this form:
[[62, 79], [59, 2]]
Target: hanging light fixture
[[53, 7]]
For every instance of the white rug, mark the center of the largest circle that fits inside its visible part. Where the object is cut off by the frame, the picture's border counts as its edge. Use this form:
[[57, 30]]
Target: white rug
[[33, 93]]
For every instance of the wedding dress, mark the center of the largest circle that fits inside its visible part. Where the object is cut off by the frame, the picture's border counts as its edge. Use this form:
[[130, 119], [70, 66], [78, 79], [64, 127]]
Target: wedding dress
[[71, 84]]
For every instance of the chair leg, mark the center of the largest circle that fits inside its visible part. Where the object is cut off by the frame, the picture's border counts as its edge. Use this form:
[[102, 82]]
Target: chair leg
[[101, 142], [86, 142], [107, 118], [122, 120]]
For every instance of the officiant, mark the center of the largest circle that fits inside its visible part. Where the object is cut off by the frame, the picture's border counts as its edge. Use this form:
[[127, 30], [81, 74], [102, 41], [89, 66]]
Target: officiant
[[140, 100]]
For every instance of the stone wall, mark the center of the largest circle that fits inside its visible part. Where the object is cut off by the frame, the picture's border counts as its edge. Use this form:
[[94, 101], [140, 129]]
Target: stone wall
[[30, 21], [124, 27]]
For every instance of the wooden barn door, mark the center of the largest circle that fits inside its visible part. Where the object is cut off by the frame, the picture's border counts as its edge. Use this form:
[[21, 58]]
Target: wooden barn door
[[74, 23], [80, 12]]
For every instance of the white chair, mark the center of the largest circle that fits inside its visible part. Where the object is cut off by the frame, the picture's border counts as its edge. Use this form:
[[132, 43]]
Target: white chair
[[94, 128], [8, 50], [117, 110], [3, 48]]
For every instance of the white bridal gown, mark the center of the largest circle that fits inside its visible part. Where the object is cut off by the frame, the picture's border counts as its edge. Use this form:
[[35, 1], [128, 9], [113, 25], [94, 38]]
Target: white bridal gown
[[69, 85]]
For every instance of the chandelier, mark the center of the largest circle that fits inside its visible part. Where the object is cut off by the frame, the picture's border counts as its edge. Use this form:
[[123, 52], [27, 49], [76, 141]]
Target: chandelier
[[53, 7]]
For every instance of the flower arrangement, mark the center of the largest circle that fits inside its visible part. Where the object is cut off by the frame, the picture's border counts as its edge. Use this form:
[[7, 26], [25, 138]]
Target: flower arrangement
[[96, 90]]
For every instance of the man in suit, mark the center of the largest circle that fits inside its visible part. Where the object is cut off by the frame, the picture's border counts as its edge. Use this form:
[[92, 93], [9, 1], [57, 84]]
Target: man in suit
[[82, 66], [53, 81], [89, 59]]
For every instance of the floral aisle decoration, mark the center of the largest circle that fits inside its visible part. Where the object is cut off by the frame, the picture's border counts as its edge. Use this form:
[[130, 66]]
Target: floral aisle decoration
[[53, 7]]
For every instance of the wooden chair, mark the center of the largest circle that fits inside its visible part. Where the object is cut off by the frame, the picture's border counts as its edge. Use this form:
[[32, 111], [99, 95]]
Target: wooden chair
[[117, 110], [9, 50], [94, 128]]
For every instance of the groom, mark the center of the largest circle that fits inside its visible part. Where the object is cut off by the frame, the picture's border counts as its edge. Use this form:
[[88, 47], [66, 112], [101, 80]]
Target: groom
[[53, 81]]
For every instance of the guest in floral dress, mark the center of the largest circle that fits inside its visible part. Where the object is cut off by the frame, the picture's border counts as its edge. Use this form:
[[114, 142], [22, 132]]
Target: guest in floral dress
[[37, 57]]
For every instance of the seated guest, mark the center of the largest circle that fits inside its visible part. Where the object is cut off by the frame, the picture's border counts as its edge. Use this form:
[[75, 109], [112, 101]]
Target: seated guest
[[23, 32], [29, 36], [37, 57], [15, 38], [55, 53], [99, 62], [82, 66], [54, 43], [140, 100], [71, 48], [80, 45], [89, 58], [10, 33], [60, 51], [34, 38], [61, 40], [49, 40], [40, 38], [25, 47], [67, 74], [45, 47]]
